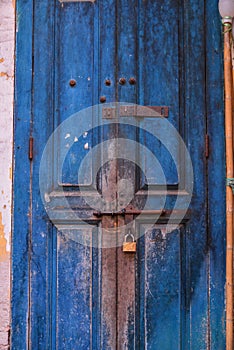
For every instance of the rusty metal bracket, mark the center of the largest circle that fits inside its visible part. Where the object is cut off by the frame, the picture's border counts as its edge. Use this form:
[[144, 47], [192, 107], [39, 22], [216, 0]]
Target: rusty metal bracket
[[130, 212], [144, 111], [136, 111], [230, 183], [108, 113]]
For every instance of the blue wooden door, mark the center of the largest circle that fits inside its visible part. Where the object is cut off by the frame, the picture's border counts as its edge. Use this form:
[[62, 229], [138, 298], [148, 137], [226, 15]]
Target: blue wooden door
[[68, 291]]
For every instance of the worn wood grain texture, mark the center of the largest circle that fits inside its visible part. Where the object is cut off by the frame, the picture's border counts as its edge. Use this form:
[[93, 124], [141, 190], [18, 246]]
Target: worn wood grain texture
[[216, 188]]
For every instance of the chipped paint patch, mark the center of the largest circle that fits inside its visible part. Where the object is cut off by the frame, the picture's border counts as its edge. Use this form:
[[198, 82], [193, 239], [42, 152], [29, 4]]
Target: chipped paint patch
[[4, 74], [3, 242]]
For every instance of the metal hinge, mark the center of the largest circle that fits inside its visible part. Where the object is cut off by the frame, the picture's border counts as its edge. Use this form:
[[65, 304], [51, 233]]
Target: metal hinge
[[207, 146], [30, 148]]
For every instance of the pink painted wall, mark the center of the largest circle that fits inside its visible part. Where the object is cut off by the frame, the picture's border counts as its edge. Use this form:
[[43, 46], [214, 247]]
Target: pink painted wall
[[7, 28]]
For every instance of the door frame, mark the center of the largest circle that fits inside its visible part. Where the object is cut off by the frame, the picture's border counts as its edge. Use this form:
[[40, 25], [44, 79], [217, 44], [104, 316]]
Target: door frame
[[22, 181]]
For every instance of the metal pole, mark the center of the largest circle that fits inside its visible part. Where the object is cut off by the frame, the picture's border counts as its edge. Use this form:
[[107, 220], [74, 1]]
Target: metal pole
[[228, 87]]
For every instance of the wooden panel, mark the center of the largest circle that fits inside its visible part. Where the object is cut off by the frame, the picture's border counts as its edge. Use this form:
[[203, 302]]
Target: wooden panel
[[74, 291], [159, 77], [41, 243], [160, 287], [21, 185], [216, 188], [74, 60], [197, 315]]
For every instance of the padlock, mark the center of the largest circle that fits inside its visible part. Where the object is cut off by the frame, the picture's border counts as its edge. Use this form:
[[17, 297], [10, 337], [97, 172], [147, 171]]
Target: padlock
[[129, 246]]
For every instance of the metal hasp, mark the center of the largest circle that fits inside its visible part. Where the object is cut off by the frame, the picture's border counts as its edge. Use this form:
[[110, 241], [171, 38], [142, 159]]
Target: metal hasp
[[136, 111], [129, 246], [230, 182], [144, 111], [130, 211]]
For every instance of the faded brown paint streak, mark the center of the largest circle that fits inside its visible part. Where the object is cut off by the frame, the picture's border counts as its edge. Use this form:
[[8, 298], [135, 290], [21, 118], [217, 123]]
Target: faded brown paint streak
[[109, 285], [108, 263], [126, 295], [109, 291], [3, 242], [125, 262]]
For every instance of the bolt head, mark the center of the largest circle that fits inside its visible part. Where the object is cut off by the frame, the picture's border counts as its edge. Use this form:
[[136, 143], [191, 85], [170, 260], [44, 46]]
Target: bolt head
[[107, 82], [132, 81], [103, 99], [122, 81], [72, 82]]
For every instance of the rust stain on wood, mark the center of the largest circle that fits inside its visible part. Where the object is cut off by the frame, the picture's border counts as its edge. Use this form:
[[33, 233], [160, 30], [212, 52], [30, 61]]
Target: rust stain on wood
[[109, 256], [3, 242], [126, 295]]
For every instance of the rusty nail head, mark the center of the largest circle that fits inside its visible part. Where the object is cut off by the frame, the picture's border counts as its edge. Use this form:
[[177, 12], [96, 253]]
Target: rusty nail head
[[103, 99], [132, 81], [108, 82], [122, 81], [72, 82]]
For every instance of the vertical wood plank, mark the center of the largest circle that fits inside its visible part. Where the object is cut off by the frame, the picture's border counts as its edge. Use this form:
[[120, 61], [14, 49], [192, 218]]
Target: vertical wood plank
[[42, 126], [74, 291], [159, 268], [197, 312], [126, 298], [216, 171], [127, 69], [109, 283], [159, 76], [21, 181], [107, 60]]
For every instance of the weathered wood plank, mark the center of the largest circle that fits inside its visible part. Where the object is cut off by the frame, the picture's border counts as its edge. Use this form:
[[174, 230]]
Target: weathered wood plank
[[21, 182], [216, 171]]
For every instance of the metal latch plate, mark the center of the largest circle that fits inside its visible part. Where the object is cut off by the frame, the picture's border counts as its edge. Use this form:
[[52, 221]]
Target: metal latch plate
[[144, 111], [136, 111]]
